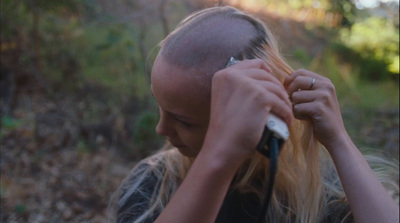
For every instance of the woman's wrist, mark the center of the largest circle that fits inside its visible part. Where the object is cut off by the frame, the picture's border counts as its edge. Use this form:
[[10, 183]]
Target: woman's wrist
[[220, 154], [339, 142]]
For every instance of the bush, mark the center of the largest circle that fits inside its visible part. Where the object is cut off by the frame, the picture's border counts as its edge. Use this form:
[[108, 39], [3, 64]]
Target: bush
[[144, 133], [373, 46]]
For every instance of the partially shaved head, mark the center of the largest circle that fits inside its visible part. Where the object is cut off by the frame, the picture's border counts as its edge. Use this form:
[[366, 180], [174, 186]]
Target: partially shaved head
[[205, 41]]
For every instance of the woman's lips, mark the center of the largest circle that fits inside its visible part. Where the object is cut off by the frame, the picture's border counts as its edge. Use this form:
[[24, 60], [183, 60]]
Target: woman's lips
[[183, 149]]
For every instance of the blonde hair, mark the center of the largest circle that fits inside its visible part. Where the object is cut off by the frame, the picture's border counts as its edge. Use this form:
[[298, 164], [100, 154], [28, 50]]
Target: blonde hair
[[305, 191]]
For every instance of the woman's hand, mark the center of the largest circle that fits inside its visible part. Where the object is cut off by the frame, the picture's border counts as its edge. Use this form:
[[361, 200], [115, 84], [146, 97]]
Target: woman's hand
[[317, 102], [242, 96], [314, 98]]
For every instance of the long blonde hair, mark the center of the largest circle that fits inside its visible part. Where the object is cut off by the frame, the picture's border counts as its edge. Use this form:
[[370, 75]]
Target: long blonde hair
[[305, 191]]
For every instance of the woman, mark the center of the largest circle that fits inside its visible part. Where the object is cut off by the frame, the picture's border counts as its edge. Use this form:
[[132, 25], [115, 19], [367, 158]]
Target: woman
[[214, 116]]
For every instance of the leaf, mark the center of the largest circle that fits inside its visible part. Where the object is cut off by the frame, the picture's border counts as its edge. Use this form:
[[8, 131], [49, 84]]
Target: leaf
[[20, 208]]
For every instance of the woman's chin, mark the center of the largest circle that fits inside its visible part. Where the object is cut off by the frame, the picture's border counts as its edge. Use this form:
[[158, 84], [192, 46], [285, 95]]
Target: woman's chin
[[186, 151]]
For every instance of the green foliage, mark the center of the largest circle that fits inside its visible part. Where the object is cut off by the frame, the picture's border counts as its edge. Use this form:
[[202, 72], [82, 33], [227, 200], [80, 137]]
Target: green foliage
[[375, 37], [374, 45], [379, 95], [110, 55], [8, 122], [302, 56], [56, 6], [79, 46], [80, 49], [345, 8], [144, 129], [11, 17], [145, 138], [83, 147], [20, 208], [3, 191], [353, 91]]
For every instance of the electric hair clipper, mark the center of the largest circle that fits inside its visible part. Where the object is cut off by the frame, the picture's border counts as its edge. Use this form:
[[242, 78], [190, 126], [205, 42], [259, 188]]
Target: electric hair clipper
[[274, 136], [274, 128]]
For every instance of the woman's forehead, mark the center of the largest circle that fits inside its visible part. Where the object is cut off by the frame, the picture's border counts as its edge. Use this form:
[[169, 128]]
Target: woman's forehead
[[175, 89], [166, 74]]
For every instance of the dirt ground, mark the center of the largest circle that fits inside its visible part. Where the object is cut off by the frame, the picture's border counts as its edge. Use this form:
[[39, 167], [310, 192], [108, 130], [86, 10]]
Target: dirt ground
[[48, 174]]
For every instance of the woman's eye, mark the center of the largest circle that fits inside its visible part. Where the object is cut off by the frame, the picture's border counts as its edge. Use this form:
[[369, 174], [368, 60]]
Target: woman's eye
[[181, 122], [185, 124]]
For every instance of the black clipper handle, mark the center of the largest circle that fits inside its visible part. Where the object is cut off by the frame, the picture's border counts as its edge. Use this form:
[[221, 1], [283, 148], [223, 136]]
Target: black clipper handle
[[274, 129], [266, 140]]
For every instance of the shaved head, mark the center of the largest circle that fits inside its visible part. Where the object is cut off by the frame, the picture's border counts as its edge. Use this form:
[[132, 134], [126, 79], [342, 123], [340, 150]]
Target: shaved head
[[205, 41]]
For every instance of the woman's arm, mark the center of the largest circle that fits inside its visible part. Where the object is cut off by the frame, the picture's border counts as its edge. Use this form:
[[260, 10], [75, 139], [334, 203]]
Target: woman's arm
[[368, 199], [201, 194], [314, 99]]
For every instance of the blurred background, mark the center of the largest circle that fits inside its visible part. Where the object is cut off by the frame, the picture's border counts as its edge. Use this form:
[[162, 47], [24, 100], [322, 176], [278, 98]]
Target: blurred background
[[77, 113]]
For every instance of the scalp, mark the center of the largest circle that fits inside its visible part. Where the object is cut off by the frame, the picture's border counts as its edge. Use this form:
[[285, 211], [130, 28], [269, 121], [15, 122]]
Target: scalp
[[205, 41]]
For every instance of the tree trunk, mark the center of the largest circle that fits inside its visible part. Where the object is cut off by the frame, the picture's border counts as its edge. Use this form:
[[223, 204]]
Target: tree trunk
[[36, 40]]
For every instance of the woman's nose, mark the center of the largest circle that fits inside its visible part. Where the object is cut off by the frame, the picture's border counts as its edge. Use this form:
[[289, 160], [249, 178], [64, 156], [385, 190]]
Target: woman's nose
[[160, 129], [163, 128]]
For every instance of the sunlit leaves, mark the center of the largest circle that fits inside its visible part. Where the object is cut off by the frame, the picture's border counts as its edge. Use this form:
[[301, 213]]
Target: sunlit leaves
[[374, 37]]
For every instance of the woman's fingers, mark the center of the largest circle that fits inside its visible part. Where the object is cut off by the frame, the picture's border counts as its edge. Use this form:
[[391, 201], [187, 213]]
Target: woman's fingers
[[303, 97], [304, 80], [277, 89], [275, 95], [254, 63], [258, 71], [314, 98], [302, 83], [304, 111], [254, 73], [277, 99]]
